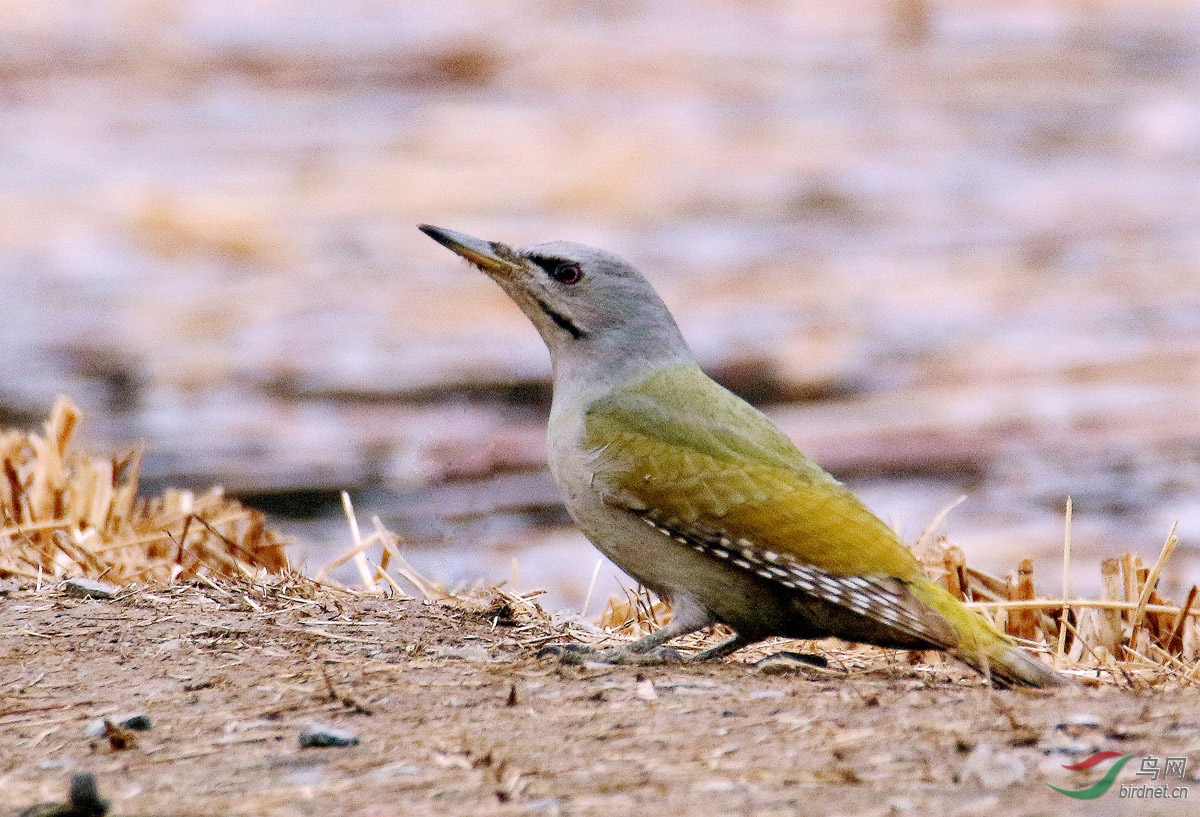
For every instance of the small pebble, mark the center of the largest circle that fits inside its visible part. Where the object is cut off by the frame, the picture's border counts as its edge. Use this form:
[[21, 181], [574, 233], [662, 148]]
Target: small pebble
[[137, 721], [645, 690], [315, 735], [90, 588]]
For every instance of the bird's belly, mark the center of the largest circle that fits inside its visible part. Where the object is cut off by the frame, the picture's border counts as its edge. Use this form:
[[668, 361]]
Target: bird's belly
[[754, 608], [671, 568], [631, 544], [666, 566]]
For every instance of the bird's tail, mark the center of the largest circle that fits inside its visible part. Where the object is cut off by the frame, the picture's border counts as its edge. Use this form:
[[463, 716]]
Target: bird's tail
[[990, 652], [1014, 666]]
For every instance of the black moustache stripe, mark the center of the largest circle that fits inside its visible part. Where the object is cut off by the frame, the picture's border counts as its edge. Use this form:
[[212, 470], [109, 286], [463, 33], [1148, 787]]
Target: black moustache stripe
[[562, 320]]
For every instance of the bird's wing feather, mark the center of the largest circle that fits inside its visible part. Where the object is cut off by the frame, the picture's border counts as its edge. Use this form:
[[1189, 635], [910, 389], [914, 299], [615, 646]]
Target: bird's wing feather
[[882, 599], [696, 455]]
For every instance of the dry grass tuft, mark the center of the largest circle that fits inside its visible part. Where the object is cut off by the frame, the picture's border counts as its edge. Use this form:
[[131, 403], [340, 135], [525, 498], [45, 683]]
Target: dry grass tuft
[[66, 514], [374, 575], [1131, 635]]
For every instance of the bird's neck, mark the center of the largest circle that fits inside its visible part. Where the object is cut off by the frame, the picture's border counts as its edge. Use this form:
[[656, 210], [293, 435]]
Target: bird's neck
[[592, 369]]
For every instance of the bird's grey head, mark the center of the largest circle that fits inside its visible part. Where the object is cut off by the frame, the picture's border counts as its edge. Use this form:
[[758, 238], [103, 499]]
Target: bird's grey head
[[588, 304]]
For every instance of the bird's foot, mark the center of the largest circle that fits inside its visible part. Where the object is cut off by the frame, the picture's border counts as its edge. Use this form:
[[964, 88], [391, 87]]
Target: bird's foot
[[581, 654]]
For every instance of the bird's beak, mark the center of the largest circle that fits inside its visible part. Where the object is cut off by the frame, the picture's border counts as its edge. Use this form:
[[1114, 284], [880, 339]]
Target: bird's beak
[[490, 256]]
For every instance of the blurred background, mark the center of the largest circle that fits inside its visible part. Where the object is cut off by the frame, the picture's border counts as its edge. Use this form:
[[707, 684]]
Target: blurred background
[[951, 247]]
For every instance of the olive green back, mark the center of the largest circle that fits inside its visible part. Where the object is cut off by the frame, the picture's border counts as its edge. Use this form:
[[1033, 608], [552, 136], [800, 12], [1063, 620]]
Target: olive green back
[[687, 449]]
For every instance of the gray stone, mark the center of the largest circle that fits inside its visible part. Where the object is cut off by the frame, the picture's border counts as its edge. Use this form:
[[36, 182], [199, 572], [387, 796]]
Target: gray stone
[[315, 735], [90, 589]]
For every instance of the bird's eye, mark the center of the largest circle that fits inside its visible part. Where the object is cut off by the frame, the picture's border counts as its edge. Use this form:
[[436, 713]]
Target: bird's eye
[[567, 273]]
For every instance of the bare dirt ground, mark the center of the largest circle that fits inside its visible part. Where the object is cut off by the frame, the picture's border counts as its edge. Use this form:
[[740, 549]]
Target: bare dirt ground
[[456, 715]]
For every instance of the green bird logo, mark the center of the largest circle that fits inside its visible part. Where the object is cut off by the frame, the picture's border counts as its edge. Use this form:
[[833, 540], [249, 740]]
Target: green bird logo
[[1100, 786]]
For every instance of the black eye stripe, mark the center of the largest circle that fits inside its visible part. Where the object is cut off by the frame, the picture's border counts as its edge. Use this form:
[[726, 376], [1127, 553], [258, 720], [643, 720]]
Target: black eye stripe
[[552, 266], [562, 270], [548, 265]]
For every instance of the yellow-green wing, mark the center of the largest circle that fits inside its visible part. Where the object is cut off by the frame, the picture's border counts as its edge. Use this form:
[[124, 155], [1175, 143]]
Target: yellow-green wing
[[684, 451]]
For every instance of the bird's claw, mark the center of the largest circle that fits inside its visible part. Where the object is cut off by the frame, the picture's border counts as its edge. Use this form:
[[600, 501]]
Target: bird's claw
[[569, 653], [658, 655]]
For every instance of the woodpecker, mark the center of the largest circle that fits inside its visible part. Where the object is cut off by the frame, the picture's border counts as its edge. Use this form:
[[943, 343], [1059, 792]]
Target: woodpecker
[[698, 496]]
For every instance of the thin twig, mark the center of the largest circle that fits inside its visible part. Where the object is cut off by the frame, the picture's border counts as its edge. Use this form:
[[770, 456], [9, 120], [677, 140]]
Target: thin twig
[[360, 558], [591, 588], [927, 535], [1152, 579], [1055, 604], [1066, 582], [1174, 641]]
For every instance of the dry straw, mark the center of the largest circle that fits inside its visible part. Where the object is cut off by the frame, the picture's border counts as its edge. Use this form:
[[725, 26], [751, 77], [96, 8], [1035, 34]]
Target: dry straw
[[65, 514], [1130, 635]]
